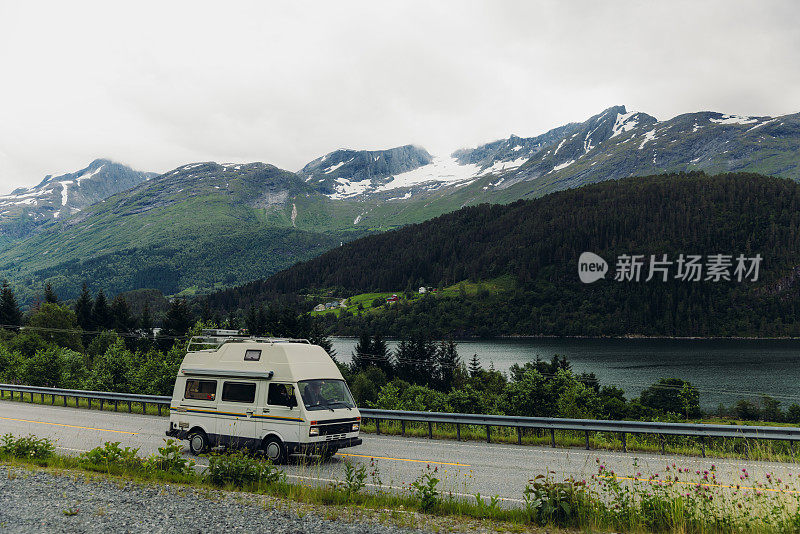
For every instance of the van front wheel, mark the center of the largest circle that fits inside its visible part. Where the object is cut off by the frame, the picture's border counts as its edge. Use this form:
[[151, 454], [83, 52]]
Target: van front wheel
[[275, 450], [198, 442]]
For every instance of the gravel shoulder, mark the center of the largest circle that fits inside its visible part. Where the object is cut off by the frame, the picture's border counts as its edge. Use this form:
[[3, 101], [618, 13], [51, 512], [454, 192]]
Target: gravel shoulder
[[34, 500]]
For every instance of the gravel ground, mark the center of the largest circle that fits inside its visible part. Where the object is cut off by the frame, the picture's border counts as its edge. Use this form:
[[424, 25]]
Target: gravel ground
[[41, 501]]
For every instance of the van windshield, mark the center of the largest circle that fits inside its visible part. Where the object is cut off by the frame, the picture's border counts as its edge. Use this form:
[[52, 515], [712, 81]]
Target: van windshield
[[325, 394]]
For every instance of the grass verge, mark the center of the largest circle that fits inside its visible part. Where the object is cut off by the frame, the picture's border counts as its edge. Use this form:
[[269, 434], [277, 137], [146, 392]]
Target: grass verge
[[675, 500]]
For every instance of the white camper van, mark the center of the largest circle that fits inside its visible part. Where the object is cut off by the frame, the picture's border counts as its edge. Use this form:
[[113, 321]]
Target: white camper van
[[283, 396]]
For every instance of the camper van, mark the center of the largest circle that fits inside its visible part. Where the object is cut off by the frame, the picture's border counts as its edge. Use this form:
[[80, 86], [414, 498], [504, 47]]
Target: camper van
[[282, 396]]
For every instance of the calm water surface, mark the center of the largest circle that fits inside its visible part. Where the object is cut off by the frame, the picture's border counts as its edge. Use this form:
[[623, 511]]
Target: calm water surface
[[723, 370]]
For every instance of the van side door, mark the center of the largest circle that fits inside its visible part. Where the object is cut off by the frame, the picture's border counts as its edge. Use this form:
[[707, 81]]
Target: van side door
[[281, 414], [236, 407]]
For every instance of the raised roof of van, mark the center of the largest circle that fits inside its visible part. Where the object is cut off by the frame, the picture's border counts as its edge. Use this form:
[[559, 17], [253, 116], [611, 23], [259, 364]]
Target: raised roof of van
[[286, 359]]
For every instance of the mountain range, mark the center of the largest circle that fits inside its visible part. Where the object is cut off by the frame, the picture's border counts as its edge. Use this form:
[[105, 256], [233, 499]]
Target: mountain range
[[203, 226]]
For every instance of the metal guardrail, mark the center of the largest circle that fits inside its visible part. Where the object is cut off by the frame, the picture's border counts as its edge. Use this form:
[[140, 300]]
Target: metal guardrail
[[697, 430], [102, 396]]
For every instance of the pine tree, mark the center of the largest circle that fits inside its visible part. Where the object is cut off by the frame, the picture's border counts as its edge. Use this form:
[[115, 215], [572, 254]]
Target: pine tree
[[121, 319], [178, 319], [50, 295], [83, 309], [146, 321], [10, 314], [101, 314], [381, 357], [361, 356], [474, 366], [447, 360]]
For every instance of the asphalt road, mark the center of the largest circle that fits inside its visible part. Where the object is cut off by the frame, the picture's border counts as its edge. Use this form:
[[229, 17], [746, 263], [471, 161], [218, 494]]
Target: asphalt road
[[465, 468]]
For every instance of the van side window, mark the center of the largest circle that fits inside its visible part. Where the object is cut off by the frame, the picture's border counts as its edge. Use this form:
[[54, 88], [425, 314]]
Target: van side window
[[281, 395], [252, 355], [201, 389], [238, 392]]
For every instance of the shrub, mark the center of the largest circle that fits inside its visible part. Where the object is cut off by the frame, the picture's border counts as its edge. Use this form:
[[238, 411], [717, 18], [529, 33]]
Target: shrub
[[238, 469], [548, 502], [170, 459], [425, 490], [111, 454], [27, 447]]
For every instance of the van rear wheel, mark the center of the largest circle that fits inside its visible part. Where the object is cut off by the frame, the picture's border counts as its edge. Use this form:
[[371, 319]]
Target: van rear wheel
[[275, 450], [198, 442]]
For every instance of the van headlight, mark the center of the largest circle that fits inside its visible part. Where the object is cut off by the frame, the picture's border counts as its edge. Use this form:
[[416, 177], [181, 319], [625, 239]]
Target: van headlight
[[313, 431], [356, 426]]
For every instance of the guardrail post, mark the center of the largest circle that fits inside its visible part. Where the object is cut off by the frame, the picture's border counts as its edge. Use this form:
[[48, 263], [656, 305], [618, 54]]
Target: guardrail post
[[458, 432], [402, 428], [65, 400], [703, 445], [115, 405], [662, 439], [488, 434], [130, 408], [553, 437], [791, 447], [378, 426], [624, 442], [42, 398], [159, 409], [519, 435], [587, 440], [52, 399], [430, 430]]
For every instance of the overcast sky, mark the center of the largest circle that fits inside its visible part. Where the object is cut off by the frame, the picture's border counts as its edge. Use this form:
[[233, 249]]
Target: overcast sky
[[157, 85]]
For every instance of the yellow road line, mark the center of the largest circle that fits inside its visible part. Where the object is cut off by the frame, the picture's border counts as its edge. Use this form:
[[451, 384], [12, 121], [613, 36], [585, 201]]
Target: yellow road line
[[70, 426], [401, 459], [704, 484]]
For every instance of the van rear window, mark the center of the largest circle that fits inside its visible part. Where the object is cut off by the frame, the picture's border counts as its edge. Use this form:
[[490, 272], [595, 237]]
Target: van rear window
[[201, 389], [238, 392]]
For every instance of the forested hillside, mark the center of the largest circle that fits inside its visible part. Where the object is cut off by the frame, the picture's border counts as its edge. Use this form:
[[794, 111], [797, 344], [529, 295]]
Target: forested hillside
[[538, 243]]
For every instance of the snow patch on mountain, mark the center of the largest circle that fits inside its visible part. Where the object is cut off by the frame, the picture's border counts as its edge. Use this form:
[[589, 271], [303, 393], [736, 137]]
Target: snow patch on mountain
[[735, 119], [623, 124], [445, 170]]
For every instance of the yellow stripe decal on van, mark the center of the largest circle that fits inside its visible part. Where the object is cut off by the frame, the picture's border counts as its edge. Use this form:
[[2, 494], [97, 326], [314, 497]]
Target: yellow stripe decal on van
[[215, 412], [278, 417]]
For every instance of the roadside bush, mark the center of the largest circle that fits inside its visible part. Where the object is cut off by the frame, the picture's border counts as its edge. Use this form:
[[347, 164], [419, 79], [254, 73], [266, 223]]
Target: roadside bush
[[425, 489], [170, 459], [26, 447], [239, 469], [548, 502], [111, 454]]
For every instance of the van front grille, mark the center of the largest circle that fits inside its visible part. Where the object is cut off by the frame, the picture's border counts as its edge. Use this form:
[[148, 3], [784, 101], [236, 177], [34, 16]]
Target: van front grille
[[337, 428]]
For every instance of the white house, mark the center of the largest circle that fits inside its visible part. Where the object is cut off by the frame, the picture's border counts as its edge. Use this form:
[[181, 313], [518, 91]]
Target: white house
[[423, 289]]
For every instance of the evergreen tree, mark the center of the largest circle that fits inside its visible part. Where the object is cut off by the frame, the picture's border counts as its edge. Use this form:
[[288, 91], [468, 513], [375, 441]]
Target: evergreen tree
[[381, 357], [362, 355], [177, 322], [50, 295], [146, 327], [10, 314], [83, 309], [121, 319], [447, 361], [101, 313], [474, 366]]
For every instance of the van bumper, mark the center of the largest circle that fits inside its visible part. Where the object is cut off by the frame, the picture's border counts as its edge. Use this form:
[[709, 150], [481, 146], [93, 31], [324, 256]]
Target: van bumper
[[316, 447], [177, 433]]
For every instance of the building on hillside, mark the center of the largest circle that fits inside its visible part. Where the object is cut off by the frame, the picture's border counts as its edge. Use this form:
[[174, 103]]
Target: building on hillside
[[392, 299], [343, 303], [423, 290], [319, 307]]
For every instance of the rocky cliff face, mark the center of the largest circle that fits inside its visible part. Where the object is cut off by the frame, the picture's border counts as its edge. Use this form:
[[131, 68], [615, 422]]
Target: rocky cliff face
[[61, 196], [348, 173]]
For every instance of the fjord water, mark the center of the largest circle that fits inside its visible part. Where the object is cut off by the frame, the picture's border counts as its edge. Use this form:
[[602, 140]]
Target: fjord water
[[724, 370]]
